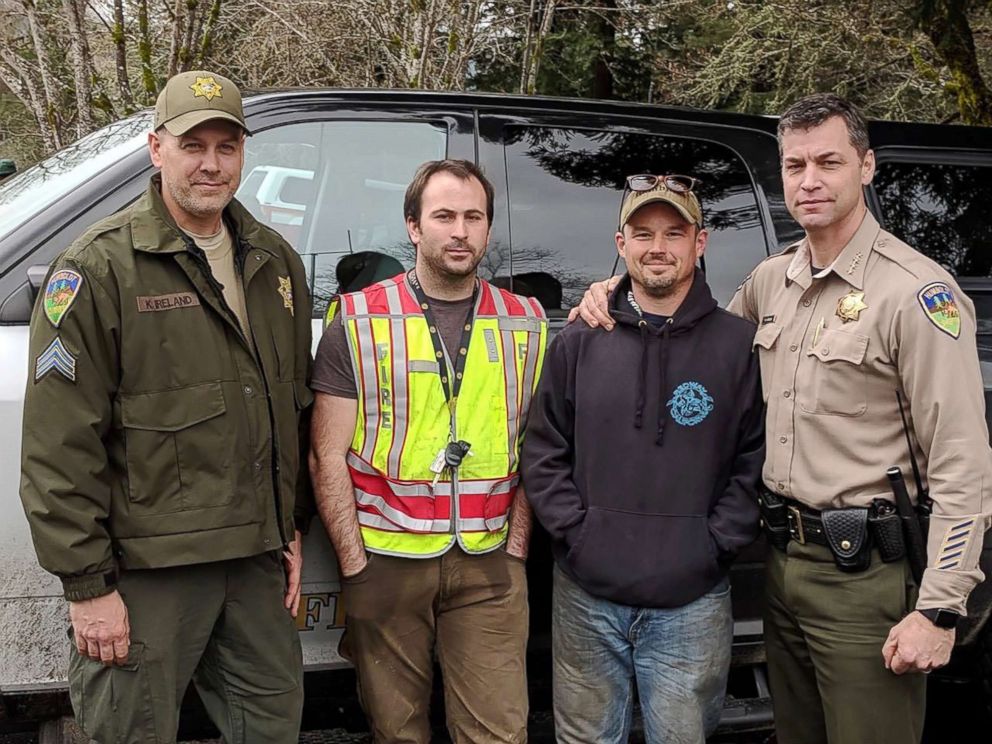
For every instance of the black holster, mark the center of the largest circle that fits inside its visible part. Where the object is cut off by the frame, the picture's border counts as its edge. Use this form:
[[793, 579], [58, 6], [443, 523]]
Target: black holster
[[774, 518], [887, 531], [848, 538]]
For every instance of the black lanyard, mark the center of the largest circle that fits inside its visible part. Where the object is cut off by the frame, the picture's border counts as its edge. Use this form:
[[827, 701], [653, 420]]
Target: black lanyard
[[450, 391]]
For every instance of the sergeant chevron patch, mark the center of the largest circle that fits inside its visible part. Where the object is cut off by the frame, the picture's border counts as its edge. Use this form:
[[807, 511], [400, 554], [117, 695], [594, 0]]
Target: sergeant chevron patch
[[955, 544], [55, 358]]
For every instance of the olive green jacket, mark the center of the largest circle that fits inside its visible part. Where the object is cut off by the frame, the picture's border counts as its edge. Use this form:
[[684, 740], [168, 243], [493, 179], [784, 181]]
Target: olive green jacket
[[155, 434]]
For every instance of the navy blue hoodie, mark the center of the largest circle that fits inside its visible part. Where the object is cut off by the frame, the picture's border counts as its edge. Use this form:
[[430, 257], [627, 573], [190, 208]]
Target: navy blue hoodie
[[644, 449]]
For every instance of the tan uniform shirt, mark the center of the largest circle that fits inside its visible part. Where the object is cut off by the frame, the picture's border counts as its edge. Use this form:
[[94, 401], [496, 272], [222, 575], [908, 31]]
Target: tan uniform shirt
[[219, 251], [834, 350]]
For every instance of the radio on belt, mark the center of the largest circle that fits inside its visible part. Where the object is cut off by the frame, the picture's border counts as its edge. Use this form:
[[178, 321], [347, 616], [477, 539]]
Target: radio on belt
[[450, 457]]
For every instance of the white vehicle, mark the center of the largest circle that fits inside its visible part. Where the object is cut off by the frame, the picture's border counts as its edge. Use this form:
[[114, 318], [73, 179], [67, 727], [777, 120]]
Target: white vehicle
[[282, 193]]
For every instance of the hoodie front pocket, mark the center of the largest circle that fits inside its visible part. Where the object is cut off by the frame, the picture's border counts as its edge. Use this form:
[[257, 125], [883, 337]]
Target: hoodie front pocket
[[646, 560]]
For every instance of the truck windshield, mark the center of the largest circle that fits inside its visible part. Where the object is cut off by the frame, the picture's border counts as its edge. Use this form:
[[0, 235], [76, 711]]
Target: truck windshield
[[28, 193]]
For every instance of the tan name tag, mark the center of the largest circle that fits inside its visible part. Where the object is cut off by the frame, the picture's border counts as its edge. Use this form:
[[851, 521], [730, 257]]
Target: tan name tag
[[155, 303]]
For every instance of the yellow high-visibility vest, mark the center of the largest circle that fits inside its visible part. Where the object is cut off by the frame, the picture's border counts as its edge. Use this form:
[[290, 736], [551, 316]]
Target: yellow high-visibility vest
[[332, 310], [404, 419]]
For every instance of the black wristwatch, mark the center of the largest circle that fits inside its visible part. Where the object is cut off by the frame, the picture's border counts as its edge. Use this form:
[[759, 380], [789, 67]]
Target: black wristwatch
[[947, 619]]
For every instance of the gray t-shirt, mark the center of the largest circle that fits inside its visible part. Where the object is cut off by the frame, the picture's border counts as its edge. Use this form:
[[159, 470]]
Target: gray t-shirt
[[333, 372]]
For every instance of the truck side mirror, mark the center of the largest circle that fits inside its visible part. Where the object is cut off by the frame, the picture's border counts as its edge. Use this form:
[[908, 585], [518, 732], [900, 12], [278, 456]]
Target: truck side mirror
[[16, 308]]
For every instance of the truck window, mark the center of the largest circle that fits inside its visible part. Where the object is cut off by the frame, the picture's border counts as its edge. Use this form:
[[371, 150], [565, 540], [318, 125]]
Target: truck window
[[334, 190], [565, 187], [942, 210]]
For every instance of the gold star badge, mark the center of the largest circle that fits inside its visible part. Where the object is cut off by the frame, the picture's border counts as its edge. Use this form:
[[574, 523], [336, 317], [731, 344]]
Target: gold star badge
[[849, 306], [286, 290], [207, 87]]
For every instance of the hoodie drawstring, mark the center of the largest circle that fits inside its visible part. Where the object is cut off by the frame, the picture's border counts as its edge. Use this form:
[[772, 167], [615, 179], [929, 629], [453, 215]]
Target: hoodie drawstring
[[663, 372], [642, 379]]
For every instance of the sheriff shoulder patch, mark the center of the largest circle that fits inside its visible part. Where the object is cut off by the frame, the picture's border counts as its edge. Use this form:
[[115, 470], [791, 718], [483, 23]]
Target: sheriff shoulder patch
[[60, 293], [56, 358], [941, 308]]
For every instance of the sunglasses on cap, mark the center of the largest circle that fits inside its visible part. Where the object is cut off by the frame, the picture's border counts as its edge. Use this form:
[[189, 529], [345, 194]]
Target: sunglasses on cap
[[647, 181]]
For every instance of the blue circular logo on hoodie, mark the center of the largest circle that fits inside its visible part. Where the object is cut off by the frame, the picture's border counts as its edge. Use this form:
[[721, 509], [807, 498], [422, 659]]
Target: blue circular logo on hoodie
[[690, 404]]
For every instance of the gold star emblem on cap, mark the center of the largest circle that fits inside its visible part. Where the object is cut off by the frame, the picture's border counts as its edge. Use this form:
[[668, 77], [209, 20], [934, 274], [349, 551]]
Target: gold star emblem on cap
[[849, 306], [207, 87]]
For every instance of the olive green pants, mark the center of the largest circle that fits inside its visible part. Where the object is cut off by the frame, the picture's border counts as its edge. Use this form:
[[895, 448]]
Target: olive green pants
[[224, 626], [471, 610], [824, 631]]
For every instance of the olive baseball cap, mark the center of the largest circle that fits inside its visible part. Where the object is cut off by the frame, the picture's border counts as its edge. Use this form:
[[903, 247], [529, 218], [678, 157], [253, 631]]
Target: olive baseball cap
[[191, 98], [685, 204]]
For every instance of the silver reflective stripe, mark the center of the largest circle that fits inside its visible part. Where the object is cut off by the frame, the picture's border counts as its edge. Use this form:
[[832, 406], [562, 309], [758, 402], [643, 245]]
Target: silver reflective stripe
[[403, 488], [530, 370], [491, 349], [510, 367], [400, 386], [482, 525], [359, 464], [529, 324], [423, 365], [377, 315], [491, 487], [345, 317], [399, 518], [381, 523], [370, 375]]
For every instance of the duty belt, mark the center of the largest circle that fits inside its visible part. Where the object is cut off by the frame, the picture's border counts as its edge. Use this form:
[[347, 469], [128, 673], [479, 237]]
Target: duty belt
[[849, 533], [805, 524]]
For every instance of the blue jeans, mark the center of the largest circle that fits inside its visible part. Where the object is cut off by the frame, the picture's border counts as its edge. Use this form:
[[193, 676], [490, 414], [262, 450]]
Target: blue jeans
[[677, 658]]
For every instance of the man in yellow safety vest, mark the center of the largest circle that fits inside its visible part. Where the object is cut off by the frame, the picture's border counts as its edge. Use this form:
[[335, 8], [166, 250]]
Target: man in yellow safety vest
[[423, 385]]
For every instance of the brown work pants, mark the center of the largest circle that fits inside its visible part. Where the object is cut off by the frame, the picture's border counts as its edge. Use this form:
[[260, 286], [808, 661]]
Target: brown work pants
[[824, 631], [469, 609]]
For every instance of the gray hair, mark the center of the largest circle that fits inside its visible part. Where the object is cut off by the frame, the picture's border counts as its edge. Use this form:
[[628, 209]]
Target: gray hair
[[813, 110]]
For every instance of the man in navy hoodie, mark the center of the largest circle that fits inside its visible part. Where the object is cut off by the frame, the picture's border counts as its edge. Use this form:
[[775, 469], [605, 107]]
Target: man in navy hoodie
[[642, 459]]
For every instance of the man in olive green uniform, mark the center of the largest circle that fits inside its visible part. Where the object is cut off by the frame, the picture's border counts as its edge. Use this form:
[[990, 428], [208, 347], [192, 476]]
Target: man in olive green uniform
[[170, 351], [846, 318]]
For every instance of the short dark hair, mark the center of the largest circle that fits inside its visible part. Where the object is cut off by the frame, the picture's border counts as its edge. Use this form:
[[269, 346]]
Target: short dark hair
[[463, 169], [813, 110]]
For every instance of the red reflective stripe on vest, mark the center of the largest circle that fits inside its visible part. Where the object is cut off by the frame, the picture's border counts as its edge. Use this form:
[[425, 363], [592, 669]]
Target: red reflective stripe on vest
[[379, 303], [479, 506], [418, 507]]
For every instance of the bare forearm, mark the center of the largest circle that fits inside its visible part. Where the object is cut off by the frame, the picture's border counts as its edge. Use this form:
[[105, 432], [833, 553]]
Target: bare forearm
[[521, 523], [336, 506]]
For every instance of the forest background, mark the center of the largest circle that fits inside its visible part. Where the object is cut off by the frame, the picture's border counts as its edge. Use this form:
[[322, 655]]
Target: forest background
[[70, 66]]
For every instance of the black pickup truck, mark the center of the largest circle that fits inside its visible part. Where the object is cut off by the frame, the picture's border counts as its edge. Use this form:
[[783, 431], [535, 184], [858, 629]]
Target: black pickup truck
[[328, 168]]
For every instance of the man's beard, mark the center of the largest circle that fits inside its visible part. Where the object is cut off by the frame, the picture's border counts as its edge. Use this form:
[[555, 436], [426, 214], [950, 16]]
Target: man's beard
[[445, 272], [658, 286], [197, 206]]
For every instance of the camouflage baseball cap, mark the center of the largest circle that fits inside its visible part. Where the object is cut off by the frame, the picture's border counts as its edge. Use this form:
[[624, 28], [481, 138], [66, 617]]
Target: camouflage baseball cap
[[191, 98], [685, 203]]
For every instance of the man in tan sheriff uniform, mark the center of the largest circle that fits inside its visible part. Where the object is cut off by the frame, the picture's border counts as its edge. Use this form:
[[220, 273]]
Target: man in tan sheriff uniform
[[846, 318]]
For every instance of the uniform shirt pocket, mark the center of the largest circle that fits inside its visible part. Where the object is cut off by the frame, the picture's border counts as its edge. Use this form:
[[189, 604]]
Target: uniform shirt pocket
[[178, 448], [765, 341], [834, 382]]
